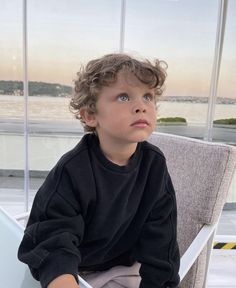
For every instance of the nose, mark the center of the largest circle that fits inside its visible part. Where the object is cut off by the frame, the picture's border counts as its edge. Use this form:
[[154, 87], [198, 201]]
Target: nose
[[140, 110], [139, 107]]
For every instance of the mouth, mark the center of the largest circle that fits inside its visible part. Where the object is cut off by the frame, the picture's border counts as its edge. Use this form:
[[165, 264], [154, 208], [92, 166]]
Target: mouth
[[140, 123]]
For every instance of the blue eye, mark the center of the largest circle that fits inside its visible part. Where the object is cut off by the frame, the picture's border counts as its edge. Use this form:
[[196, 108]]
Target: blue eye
[[123, 97], [148, 97]]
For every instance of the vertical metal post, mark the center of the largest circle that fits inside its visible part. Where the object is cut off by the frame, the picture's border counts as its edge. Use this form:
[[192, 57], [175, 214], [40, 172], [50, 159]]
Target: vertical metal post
[[26, 92], [222, 14], [122, 25]]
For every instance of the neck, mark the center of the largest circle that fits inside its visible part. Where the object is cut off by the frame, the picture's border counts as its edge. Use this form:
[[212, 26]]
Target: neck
[[118, 153]]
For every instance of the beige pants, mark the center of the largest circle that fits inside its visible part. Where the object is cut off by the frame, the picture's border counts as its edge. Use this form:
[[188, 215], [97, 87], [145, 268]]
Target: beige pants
[[116, 277]]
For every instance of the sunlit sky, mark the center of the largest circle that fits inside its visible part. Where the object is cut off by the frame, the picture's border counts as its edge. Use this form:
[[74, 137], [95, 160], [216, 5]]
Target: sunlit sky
[[62, 34]]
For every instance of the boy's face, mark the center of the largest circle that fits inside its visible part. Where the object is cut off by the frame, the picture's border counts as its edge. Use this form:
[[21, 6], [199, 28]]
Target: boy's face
[[126, 111]]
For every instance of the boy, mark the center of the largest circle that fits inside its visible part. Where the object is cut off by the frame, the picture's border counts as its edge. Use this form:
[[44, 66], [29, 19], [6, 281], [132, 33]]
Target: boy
[[107, 210]]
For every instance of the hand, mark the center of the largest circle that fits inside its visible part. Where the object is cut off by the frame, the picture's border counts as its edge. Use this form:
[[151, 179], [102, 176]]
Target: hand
[[62, 281]]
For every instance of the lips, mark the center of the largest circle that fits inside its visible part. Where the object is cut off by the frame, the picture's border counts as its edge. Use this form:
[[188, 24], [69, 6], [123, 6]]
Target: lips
[[140, 122]]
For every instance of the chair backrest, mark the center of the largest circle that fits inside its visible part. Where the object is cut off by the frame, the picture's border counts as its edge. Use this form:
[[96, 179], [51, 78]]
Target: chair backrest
[[201, 173]]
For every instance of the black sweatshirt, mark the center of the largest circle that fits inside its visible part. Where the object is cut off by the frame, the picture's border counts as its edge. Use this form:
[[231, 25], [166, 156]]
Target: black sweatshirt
[[91, 214]]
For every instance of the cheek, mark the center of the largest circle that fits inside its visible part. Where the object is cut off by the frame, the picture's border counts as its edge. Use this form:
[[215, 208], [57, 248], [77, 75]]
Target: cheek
[[108, 118], [153, 117], [153, 112]]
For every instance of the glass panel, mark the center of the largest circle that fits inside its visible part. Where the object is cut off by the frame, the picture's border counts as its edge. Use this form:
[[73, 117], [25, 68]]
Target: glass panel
[[182, 33], [225, 114], [11, 108], [61, 38]]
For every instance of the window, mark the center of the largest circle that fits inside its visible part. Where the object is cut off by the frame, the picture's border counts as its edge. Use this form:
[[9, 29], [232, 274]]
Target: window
[[61, 37], [225, 112], [182, 33], [11, 108]]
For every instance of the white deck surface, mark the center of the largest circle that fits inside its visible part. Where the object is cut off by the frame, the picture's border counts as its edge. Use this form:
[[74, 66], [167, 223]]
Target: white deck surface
[[222, 272]]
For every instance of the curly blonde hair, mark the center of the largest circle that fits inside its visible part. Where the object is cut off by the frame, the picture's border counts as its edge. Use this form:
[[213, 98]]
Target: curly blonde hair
[[103, 72]]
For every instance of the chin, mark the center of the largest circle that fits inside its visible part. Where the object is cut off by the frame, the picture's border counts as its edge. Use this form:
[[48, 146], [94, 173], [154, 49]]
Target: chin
[[145, 135], [140, 138], [143, 139]]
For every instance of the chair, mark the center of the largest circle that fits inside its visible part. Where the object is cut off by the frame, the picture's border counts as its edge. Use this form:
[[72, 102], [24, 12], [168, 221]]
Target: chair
[[13, 273], [201, 173]]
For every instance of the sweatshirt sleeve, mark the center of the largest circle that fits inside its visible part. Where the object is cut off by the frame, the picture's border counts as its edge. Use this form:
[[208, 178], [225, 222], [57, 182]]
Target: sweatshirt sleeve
[[54, 230], [157, 249]]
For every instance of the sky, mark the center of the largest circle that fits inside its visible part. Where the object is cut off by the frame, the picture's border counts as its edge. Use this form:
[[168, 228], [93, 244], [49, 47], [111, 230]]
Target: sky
[[62, 34]]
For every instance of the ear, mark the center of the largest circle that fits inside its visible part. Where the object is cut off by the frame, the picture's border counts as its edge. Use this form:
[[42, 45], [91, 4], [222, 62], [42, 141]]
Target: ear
[[89, 119]]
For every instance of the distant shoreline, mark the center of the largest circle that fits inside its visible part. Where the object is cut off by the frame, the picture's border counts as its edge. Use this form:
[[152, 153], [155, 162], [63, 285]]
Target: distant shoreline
[[56, 90], [196, 99]]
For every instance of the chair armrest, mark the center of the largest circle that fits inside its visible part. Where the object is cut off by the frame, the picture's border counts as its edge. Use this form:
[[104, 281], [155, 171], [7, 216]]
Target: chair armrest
[[22, 216], [196, 247], [83, 283]]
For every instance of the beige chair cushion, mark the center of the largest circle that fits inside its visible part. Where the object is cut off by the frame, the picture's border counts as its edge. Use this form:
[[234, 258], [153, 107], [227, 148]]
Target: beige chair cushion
[[201, 173]]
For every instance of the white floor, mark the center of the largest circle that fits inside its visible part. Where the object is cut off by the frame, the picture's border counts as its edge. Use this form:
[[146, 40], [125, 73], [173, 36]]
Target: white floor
[[222, 272]]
